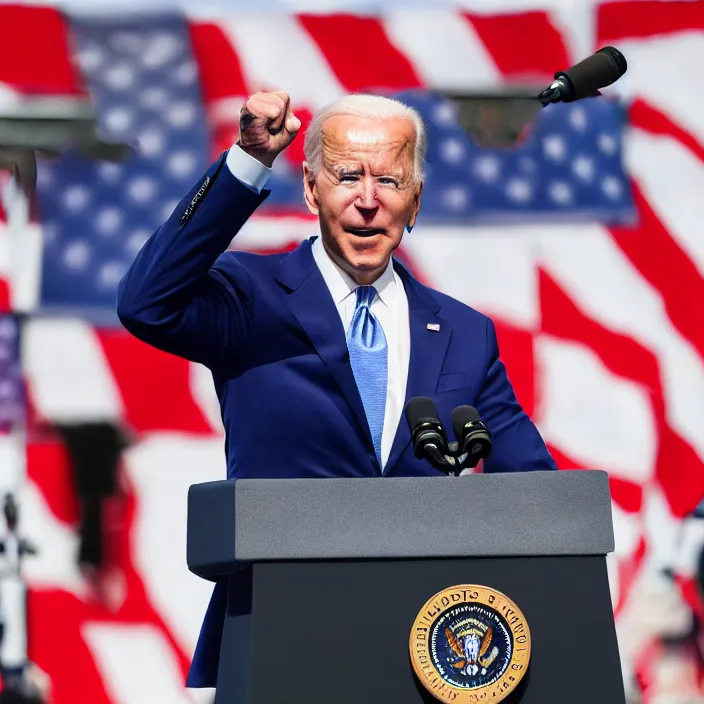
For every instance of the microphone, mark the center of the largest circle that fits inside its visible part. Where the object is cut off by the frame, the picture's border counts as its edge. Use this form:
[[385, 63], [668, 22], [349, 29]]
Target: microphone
[[585, 79], [427, 434], [473, 437]]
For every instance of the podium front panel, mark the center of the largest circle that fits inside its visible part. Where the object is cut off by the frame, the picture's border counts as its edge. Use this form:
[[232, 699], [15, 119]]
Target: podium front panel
[[339, 632]]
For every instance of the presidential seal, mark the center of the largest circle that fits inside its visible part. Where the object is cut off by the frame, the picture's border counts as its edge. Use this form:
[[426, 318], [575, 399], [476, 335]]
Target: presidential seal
[[470, 643]]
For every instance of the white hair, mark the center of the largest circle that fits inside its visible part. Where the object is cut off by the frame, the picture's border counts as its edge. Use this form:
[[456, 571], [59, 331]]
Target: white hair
[[375, 107]]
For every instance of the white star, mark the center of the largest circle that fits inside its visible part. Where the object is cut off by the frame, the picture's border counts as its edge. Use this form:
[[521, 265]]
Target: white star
[[136, 241], [161, 50], [181, 114], [451, 150], [118, 119], [578, 119], [182, 164], [76, 198], [110, 274], [554, 147], [519, 190], [583, 167], [487, 168], [456, 197], [142, 189], [445, 113], [185, 74], [76, 255], [151, 141], [90, 57], [154, 98], [120, 76], [607, 143], [612, 187], [109, 220], [560, 192]]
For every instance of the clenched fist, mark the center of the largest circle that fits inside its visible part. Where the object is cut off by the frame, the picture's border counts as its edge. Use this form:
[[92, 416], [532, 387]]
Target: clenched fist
[[267, 126]]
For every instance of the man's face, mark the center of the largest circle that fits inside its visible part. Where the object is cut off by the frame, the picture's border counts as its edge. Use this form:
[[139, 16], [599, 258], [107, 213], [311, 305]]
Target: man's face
[[365, 193]]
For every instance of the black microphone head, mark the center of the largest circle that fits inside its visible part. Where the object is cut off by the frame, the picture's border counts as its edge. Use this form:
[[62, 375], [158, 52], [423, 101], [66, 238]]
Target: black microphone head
[[427, 434], [617, 57], [460, 417], [473, 437], [596, 71], [421, 409]]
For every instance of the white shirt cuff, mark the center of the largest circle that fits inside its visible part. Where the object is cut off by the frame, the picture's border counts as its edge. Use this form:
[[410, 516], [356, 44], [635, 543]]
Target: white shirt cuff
[[247, 169]]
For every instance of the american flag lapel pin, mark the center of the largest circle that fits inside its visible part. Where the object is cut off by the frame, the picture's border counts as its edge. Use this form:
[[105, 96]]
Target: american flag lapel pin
[[435, 327]]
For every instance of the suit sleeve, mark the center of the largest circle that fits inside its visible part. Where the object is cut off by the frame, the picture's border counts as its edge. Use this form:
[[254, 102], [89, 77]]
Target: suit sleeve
[[173, 297], [517, 444]]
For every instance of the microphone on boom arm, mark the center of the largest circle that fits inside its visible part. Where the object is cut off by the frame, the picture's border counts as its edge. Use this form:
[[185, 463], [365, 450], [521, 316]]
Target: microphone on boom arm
[[585, 79]]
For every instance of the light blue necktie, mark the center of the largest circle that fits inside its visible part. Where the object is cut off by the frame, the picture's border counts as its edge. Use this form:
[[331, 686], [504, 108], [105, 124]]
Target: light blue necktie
[[368, 356]]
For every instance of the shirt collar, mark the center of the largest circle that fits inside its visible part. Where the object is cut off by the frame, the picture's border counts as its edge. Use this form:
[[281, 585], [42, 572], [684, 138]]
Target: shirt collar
[[341, 284]]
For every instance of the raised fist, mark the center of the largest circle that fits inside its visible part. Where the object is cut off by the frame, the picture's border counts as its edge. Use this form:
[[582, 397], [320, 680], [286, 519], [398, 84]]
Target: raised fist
[[267, 125]]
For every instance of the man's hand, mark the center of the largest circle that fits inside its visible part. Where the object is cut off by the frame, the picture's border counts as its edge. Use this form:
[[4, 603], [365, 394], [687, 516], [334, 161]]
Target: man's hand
[[267, 126]]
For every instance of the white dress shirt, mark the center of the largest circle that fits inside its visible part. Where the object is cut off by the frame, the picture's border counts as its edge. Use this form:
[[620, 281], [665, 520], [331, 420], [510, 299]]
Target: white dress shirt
[[390, 305]]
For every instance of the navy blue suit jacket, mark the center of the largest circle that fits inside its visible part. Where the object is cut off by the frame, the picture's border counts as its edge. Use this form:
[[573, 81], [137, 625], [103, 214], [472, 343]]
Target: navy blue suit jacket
[[269, 331]]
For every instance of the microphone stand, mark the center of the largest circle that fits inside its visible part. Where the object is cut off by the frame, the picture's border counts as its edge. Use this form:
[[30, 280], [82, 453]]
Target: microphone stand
[[552, 94], [562, 91], [454, 462]]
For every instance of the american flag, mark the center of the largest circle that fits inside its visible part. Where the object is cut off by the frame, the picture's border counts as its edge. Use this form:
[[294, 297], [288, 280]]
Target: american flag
[[584, 244]]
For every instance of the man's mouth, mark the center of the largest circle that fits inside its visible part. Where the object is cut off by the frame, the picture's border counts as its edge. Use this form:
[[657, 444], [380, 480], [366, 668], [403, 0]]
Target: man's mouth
[[364, 231]]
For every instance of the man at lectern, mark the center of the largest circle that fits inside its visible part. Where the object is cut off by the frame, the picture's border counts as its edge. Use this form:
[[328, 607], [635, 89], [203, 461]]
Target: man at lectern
[[314, 353]]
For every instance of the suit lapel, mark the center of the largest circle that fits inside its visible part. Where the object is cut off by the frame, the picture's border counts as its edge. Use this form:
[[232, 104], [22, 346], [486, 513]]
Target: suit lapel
[[428, 350], [310, 301]]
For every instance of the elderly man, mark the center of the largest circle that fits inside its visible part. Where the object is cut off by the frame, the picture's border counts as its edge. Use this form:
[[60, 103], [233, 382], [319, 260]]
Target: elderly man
[[314, 353]]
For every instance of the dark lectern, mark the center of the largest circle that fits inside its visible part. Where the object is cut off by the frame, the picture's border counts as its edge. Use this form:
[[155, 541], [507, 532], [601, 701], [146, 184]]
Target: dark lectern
[[340, 568]]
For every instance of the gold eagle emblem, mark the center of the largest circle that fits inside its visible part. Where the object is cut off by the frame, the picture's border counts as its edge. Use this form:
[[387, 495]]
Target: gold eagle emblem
[[471, 638], [471, 652]]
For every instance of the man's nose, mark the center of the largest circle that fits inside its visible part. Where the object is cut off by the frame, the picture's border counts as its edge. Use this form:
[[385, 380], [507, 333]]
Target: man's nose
[[366, 195]]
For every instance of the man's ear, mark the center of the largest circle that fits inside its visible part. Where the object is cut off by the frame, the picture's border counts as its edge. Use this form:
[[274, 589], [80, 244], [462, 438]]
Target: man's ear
[[415, 207], [309, 190]]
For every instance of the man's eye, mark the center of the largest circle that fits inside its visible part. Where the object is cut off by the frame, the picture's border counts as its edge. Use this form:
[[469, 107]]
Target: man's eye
[[388, 181], [348, 177]]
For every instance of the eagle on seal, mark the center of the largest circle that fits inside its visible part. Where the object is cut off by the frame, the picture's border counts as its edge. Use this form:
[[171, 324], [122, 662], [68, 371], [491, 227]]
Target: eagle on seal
[[471, 652]]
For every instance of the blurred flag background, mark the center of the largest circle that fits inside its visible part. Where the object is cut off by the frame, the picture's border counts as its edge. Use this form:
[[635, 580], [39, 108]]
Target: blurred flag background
[[584, 242]]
